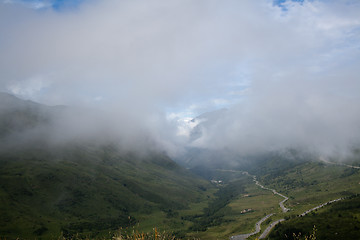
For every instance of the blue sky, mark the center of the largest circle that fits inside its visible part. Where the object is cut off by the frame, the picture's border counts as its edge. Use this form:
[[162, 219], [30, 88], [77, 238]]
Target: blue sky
[[61, 5], [55, 4], [280, 2]]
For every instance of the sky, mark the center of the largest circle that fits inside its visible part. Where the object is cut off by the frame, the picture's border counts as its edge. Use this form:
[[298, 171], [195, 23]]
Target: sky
[[288, 71]]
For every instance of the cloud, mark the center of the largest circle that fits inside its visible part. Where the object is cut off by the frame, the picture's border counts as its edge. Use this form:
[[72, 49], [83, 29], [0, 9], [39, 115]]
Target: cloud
[[158, 51], [31, 4], [28, 87], [298, 68]]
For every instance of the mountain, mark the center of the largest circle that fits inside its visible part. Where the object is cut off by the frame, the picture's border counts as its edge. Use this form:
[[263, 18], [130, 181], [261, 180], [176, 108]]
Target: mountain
[[205, 121], [90, 186], [82, 187], [18, 115], [203, 160], [338, 221]]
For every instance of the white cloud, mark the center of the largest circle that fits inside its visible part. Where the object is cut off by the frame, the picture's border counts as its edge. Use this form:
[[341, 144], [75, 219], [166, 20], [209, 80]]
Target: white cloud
[[143, 56], [220, 102], [31, 4], [28, 88]]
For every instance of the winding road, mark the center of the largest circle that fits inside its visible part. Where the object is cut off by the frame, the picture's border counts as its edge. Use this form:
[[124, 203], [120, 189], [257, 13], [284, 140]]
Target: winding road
[[258, 224], [269, 228], [281, 204], [284, 209], [321, 158], [272, 225], [257, 229], [320, 206]]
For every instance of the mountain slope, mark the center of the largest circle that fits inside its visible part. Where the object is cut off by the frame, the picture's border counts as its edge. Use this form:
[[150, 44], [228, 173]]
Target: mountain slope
[[17, 115], [85, 187], [82, 189], [337, 221]]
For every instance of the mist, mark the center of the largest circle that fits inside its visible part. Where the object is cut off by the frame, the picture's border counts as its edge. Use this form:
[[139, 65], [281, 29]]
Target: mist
[[288, 74]]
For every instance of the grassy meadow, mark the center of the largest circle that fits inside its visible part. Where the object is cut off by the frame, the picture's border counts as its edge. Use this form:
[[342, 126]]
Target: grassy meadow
[[339, 220], [91, 192], [307, 184]]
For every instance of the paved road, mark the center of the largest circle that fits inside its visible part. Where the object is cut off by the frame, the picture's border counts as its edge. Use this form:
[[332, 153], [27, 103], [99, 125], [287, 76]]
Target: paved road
[[321, 205], [273, 224], [269, 228], [257, 225], [284, 209], [257, 229], [336, 163], [281, 204]]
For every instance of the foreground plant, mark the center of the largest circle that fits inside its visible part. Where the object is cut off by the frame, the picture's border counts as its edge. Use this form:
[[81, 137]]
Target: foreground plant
[[312, 236], [135, 235]]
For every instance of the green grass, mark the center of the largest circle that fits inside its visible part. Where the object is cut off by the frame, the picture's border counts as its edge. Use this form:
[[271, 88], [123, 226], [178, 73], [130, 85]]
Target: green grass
[[91, 191], [311, 184], [339, 220], [307, 184], [233, 222], [260, 201]]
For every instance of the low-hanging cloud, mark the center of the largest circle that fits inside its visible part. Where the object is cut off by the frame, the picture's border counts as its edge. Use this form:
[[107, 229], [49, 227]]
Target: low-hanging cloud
[[136, 58]]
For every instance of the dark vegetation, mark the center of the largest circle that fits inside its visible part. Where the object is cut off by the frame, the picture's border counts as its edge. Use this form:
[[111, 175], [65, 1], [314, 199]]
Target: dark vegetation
[[17, 116], [340, 220], [273, 164], [79, 188], [214, 214], [88, 191]]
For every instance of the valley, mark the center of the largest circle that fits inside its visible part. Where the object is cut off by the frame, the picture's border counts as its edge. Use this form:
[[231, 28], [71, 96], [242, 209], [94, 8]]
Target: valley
[[302, 198], [179, 120], [92, 189], [147, 192], [91, 192]]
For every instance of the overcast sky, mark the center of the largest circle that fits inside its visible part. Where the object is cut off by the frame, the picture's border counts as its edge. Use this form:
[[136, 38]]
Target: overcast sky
[[288, 71]]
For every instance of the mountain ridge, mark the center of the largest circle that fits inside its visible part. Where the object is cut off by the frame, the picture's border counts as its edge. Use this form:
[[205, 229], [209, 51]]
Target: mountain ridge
[[82, 187]]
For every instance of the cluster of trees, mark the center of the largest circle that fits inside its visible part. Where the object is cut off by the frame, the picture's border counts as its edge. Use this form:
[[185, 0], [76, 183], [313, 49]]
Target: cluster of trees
[[214, 214]]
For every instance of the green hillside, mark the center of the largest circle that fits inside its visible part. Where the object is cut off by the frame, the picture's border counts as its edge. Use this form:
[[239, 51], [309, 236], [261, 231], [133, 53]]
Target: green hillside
[[17, 115], [337, 221], [84, 187], [79, 189], [312, 183], [89, 187], [301, 177]]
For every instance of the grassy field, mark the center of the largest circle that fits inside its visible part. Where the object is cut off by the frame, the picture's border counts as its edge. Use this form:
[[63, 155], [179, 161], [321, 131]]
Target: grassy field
[[311, 184], [307, 185], [93, 191], [254, 200], [176, 222], [339, 220]]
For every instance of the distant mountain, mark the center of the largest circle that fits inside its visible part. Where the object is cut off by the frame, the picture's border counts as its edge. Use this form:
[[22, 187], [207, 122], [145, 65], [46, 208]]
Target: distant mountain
[[206, 121], [83, 187], [10, 102], [202, 159], [17, 115]]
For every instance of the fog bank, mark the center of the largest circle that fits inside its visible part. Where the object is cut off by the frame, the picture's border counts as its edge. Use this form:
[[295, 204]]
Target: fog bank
[[288, 74]]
